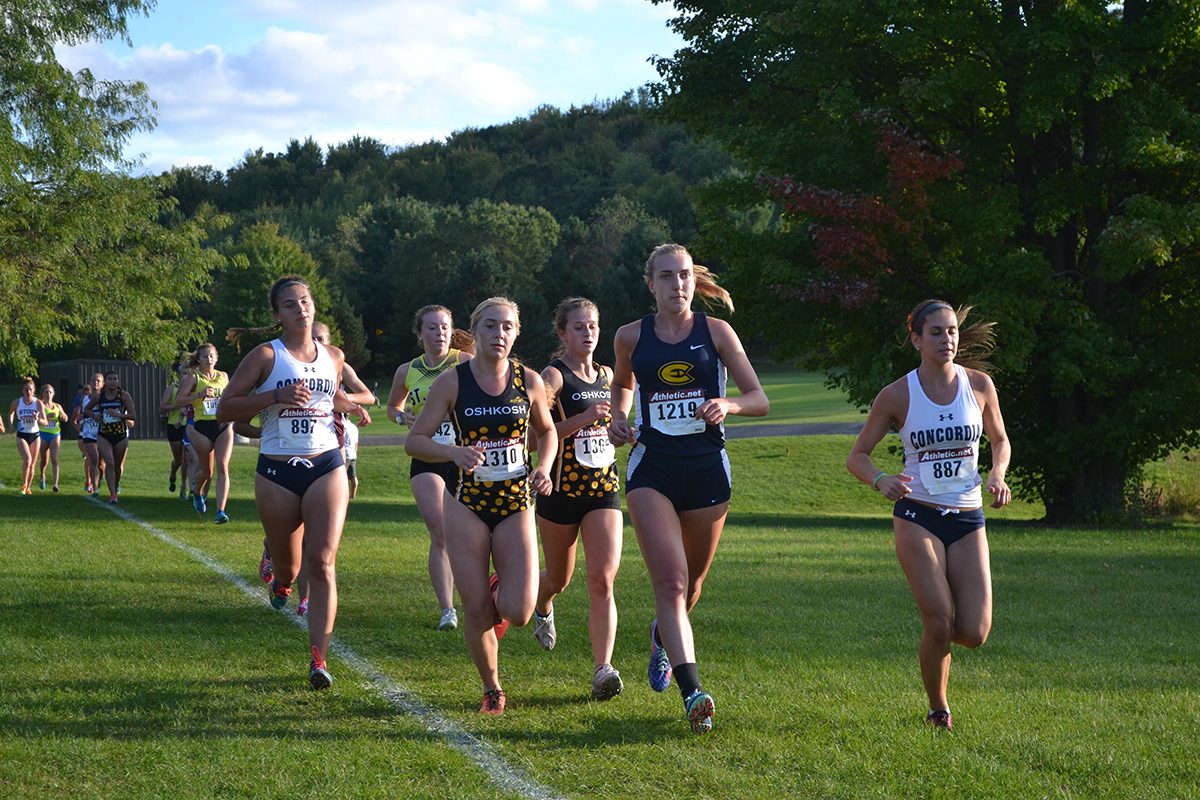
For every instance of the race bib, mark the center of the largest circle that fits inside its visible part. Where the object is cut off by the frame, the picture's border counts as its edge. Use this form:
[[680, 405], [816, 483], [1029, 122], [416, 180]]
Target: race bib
[[299, 429], [592, 447], [503, 460], [946, 471], [210, 406], [445, 433], [674, 413]]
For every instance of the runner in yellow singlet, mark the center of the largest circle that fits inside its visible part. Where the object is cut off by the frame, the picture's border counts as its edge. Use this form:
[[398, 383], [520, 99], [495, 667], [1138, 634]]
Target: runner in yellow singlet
[[212, 440], [51, 435], [434, 329]]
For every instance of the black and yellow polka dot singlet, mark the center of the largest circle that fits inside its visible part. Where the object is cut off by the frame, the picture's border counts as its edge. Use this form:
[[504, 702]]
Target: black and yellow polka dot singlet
[[584, 465], [499, 486]]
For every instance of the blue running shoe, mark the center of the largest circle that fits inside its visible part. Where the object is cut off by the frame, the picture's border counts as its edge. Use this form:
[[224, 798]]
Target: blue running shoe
[[199, 504], [221, 518], [700, 709], [659, 671], [279, 594]]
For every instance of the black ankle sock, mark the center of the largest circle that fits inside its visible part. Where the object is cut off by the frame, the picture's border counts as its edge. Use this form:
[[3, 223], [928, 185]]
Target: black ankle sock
[[687, 678]]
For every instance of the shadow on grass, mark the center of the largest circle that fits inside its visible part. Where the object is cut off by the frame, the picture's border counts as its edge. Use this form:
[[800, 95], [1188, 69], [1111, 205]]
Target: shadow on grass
[[221, 708]]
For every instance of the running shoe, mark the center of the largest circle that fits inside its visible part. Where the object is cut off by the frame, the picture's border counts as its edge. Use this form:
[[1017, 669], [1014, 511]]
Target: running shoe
[[42, 484], [449, 620], [700, 709], [544, 630], [493, 702], [266, 572], [87, 488], [659, 671], [501, 626], [54, 489], [112, 499], [221, 518], [199, 504], [171, 486], [940, 719], [318, 677], [279, 594], [302, 609], [606, 683]]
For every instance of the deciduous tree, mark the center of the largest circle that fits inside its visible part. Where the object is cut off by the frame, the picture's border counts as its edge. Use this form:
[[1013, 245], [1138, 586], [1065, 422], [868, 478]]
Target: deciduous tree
[[1038, 159]]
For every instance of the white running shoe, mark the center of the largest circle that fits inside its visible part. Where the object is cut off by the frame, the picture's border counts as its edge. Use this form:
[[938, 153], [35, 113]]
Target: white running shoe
[[543, 629], [606, 683], [449, 620]]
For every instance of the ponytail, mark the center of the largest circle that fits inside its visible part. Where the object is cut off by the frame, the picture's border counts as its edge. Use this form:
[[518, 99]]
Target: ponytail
[[976, 343]]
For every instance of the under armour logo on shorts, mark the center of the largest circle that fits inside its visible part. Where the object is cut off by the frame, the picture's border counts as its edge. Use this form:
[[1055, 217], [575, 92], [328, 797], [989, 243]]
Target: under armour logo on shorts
[[911, 514]]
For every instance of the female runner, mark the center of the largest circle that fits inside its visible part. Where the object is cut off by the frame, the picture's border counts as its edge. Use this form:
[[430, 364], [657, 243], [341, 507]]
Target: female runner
[[211, 440], [586, 500], [940, 409], [678, 482], [113, 408], [300, 486], [89, 431], [493, 402], [26, 415], [434, 328], [168, 406], [51, 436]]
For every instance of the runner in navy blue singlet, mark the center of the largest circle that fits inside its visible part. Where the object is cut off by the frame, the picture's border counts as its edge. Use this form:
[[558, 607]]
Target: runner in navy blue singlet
[[678, 482]]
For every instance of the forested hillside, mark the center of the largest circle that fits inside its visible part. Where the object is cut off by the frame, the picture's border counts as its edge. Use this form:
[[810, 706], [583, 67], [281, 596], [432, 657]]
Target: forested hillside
[[558, 203]]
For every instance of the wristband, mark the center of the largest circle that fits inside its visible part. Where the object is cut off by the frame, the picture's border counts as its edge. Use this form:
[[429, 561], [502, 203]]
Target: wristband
[[875, 482]]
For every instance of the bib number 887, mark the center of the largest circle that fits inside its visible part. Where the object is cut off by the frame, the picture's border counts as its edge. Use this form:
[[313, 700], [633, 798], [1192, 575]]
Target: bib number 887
[[302, 427], [947, 469]]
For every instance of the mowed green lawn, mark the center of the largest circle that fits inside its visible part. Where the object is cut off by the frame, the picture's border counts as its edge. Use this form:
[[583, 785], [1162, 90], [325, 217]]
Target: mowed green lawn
[[131, 669]]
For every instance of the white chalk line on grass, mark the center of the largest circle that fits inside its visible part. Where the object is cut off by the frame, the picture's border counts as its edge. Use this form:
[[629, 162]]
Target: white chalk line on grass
[[505, 775]]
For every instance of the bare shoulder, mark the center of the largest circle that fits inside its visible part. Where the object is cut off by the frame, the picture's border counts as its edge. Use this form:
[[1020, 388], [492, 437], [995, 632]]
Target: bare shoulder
[[552, 378], [628, 333], [981, 382], [893, 398]]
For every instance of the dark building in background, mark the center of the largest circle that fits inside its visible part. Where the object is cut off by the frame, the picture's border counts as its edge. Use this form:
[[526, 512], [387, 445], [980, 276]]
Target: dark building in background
[[144, 382]]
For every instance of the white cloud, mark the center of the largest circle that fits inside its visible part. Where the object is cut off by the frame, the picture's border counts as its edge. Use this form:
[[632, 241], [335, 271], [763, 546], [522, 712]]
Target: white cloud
[[398, 70]]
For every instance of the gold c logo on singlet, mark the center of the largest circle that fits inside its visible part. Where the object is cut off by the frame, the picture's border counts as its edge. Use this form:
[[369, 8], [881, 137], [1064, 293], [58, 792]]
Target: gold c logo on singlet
[[676, 373]]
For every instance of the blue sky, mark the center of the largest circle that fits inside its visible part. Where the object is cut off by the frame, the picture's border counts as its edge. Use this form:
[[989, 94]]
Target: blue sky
[[230, 76]]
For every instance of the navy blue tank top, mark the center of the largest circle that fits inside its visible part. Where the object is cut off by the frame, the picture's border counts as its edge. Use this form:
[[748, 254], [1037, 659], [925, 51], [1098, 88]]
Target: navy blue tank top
[[673, 380]]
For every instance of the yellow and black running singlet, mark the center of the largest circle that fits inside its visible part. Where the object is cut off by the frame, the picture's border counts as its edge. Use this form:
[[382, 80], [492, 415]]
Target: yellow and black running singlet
[[500, 423], [418, 379], [585, 465]]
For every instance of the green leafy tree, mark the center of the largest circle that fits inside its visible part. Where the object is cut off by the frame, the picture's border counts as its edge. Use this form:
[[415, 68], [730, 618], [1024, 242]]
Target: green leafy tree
[[1037, 159], [84, 253], [259, 257]]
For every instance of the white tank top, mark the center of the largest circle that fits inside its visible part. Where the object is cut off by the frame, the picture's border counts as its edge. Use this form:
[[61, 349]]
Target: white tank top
[[291, 430], [27, 421], [941, 445]]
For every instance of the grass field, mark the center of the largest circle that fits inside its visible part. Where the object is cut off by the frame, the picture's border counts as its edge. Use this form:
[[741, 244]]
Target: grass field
[[132, 669]]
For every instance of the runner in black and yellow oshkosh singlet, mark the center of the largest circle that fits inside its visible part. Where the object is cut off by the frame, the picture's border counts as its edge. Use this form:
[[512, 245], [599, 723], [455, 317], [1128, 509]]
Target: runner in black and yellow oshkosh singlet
[[493, 401]]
